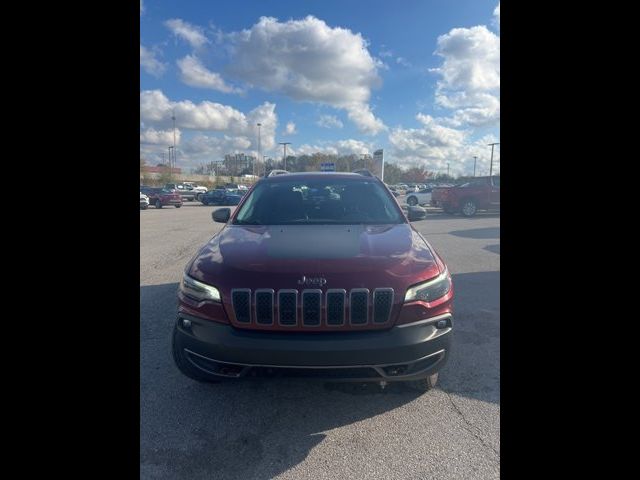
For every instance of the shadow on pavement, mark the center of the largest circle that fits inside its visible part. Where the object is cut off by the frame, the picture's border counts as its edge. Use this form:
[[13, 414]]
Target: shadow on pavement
[[478, 233], [493, 248], [262, 428], [439, 215]]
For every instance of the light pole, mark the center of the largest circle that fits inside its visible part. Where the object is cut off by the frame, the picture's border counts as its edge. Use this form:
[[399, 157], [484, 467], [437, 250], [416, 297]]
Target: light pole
[[447, 169], [173, 117], [474, 165], [170, 162], [491, 164], [259, 149], [284, 158]]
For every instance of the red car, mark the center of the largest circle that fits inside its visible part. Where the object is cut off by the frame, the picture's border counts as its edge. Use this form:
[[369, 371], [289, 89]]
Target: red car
[[315, 275], [481, 193], [161, 197]]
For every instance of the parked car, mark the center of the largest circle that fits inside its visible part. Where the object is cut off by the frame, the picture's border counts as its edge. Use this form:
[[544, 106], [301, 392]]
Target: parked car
[[481, 193], [342, 287], [421, 197], [162, 197], [187, 192], [393, 190], [274, 173], [197, 189], [144, 201], [222, 197]]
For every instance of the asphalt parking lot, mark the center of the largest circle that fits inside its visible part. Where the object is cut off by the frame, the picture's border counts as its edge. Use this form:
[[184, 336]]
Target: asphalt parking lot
[[293, 429]]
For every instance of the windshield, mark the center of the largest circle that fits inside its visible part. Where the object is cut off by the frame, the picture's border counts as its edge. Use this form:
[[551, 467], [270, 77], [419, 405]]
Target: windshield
[[319, 201]]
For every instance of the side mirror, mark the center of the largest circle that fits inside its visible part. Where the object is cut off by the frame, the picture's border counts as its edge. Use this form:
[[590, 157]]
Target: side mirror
[[416, 213], [221, 215]]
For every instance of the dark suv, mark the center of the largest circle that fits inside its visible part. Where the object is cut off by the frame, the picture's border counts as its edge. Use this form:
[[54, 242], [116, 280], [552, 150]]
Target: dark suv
[[315, 275]]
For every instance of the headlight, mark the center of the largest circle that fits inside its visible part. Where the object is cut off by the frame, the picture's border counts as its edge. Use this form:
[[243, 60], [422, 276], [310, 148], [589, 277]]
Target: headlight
[[199, 291], [431, 290]]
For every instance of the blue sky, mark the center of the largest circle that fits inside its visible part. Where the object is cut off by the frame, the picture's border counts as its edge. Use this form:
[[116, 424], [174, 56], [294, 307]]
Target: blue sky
[[417, 78]]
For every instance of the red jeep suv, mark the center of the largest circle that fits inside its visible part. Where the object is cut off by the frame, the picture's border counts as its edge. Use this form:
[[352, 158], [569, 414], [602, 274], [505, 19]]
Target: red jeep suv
[[315, 275]]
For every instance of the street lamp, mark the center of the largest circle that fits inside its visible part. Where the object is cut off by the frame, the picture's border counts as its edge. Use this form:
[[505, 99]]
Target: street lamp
[[491, 164], [259, 149], [474, 166]]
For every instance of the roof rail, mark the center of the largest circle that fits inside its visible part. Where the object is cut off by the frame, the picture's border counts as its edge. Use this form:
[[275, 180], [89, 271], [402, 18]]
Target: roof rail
[[363, 172]]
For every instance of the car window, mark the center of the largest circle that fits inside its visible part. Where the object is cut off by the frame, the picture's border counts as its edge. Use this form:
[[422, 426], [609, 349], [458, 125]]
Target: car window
[[321, 202]]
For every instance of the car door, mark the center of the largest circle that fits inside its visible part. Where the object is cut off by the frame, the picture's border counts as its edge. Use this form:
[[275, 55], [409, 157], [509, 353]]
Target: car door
[[495, 192]]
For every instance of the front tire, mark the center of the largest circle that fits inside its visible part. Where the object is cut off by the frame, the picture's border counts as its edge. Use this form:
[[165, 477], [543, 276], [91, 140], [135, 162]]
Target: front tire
[[468, 208], [158, 204], [184, 365], [178, 206], [424, 384], [412, 201], [143, 207]]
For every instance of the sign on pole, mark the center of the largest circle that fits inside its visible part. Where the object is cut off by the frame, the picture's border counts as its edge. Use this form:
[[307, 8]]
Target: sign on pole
[[378, 164], [328, 167]]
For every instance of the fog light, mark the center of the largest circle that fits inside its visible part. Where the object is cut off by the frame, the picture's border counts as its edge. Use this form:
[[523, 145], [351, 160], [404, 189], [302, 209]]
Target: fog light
[[441, 324], [186, 323]]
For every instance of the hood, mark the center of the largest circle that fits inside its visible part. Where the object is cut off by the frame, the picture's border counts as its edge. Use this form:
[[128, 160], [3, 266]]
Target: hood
[[346, 256]]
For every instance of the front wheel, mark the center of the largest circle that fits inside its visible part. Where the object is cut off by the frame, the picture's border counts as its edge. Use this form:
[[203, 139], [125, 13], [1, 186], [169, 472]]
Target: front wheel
[[205, 202], [158, 204], [413, 201], [468, 208], [424, 384], [143, 207], [178, 206]]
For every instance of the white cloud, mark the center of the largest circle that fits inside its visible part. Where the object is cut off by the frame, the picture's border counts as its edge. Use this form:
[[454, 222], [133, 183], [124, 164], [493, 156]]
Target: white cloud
[[150, 63], [435, 145], [496, 16], [141, 7], [191, 33], [403, 61], [290, 129], [152, 136], [195, 74], [309, 61], [329, 121], [234, 129], [339, 147], [470, 75]]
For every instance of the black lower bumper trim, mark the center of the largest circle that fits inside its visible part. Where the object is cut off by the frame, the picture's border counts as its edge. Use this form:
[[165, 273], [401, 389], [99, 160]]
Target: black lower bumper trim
[[400, 352]]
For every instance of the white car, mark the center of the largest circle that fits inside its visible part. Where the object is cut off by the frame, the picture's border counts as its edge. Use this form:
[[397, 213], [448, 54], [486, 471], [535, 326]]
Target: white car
[[144, 201], [422, 197], [273, 173]]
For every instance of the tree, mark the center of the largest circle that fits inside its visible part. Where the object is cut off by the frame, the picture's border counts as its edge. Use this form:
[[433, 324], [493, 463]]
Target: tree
[[392, 174]]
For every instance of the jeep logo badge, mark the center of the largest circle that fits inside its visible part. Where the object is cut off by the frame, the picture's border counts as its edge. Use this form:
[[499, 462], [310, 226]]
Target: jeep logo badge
[[312, 281]]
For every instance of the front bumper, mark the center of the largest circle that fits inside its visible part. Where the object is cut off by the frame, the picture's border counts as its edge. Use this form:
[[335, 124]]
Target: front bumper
[[406, 352]]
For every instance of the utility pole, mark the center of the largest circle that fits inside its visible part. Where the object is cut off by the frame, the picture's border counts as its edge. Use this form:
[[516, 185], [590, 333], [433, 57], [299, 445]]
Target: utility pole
[[447, 169], [284, 159], [173, 118], [491, 164], [259, 149], [474, 165]]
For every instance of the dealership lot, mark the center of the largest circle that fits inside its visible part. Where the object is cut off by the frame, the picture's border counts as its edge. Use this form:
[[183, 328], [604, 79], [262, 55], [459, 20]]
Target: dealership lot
[[299, 429]]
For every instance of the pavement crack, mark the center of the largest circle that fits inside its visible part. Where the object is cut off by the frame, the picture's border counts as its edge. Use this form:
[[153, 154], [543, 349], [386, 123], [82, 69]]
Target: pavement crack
[[471, 428]]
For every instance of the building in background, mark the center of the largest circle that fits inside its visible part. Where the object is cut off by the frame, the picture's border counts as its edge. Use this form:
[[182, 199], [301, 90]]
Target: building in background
[[238, 164]]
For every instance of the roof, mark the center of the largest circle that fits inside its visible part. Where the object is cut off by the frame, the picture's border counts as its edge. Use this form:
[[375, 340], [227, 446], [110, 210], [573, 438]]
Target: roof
[[314, 175]]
